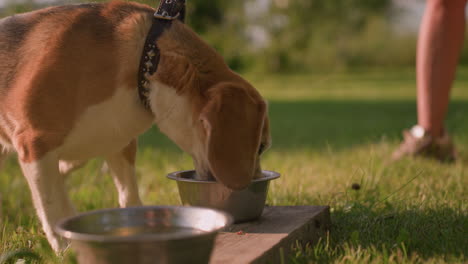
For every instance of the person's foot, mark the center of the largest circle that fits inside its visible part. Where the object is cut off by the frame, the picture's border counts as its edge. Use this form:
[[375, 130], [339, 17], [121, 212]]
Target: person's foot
[[417, 142]]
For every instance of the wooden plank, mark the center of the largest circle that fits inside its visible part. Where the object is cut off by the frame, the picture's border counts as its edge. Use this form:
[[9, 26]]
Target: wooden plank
[[266, 239]]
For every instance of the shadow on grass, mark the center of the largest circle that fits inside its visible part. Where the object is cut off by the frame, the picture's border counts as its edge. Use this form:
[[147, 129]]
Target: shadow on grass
[[425, 233], [339, 124], [343, 124]]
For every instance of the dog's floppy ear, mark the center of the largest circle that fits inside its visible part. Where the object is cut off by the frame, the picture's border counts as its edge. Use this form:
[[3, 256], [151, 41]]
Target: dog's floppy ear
[[233, 122]]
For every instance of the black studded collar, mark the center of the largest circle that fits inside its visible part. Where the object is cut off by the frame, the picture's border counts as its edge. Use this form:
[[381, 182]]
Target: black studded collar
[[167, 11]]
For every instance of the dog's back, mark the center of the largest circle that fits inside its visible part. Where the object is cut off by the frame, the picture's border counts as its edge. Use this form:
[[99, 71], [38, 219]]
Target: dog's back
[[25, 37], [39, 28]]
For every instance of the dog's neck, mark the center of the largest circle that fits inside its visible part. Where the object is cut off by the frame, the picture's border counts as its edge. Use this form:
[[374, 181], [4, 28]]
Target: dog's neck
[[163, 17]]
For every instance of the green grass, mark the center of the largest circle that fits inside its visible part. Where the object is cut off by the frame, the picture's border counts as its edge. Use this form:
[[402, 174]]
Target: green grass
[[329, 131]]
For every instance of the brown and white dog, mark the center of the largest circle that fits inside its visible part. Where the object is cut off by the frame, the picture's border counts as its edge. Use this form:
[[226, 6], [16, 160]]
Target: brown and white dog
[[68, 93]]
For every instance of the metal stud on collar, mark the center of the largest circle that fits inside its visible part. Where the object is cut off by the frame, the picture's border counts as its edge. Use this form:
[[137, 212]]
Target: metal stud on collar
[[147, 66]]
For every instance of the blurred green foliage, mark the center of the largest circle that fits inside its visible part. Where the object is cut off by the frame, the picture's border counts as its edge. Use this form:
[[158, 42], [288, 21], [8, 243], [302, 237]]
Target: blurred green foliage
[[295, 35], [324, 34]]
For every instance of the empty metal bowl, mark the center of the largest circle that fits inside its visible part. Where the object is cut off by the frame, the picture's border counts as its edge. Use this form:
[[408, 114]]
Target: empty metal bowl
[[154, 234], [243, 205]]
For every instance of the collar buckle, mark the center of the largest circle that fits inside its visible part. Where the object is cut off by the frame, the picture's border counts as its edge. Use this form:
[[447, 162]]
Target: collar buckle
[[166, 16], [170, 9]]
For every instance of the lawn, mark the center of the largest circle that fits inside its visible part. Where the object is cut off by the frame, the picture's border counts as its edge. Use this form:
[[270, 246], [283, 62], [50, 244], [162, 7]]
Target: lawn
[[329, 131]]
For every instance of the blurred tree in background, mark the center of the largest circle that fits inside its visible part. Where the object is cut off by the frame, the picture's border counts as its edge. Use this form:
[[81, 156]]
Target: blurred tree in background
[[320, 33], [203, 15], [294, 35]]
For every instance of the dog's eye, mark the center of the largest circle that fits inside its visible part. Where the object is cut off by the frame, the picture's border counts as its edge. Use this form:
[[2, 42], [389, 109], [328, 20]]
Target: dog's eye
[[261, 149]]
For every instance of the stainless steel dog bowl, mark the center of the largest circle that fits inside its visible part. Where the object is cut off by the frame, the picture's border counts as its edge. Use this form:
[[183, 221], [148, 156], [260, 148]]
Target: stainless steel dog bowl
[[243, 205], [140, 235]]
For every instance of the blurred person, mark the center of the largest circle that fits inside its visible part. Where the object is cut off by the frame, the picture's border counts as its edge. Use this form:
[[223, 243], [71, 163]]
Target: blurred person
[[439, 46]]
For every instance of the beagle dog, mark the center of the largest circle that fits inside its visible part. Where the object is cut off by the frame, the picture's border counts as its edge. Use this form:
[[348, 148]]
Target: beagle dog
[[82, 81]]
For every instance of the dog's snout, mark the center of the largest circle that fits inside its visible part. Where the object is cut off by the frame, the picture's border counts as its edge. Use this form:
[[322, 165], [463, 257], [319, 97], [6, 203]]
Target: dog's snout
[[258, 173], [204, 174]]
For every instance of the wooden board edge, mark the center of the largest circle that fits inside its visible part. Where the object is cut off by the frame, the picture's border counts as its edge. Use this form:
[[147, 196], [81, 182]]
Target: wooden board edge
[[315, 228]]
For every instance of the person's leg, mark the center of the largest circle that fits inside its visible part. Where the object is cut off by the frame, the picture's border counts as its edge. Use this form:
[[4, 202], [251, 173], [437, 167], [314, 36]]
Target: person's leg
[[439, 45]]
